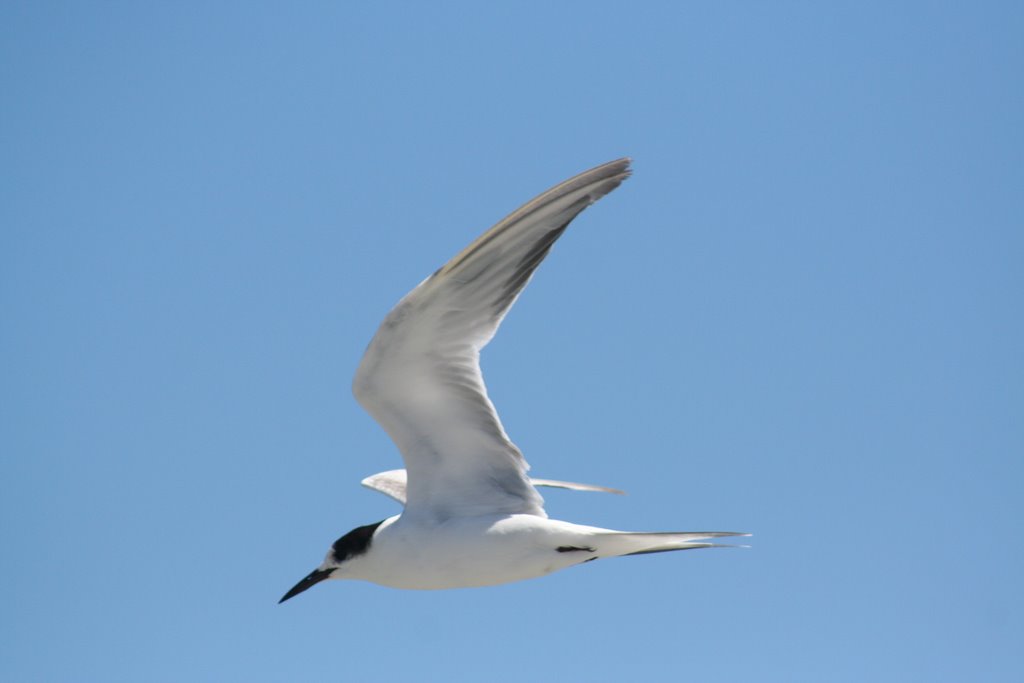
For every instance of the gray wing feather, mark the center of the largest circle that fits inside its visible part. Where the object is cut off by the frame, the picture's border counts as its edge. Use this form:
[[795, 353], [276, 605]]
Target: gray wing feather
[[393, 482], [420, 377]]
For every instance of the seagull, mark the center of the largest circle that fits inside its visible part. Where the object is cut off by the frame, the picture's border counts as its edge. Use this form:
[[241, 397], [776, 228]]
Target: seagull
[[472, 517]]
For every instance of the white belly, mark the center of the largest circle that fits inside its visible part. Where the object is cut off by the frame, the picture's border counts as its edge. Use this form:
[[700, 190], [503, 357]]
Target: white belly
[[466, 552]]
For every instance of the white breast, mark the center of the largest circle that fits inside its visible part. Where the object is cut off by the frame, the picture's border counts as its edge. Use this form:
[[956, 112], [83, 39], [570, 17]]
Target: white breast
[[468, 552]]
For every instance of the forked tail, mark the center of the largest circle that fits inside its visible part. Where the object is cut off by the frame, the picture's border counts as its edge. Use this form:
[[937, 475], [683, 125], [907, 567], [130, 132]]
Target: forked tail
[[621, 543]]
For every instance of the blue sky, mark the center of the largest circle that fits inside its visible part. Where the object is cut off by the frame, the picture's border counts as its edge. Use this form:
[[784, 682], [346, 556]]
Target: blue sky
[[800, 318]]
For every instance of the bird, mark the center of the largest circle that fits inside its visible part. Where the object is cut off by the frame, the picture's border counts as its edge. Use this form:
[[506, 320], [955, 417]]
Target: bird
[[472, 517]]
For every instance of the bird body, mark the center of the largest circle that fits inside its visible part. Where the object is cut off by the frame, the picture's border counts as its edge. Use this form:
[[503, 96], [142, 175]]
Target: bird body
[[483, 550], [472, 516], [488, 550]]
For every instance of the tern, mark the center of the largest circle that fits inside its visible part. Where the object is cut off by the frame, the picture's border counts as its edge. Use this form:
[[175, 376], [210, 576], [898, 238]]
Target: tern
[[472, 516]]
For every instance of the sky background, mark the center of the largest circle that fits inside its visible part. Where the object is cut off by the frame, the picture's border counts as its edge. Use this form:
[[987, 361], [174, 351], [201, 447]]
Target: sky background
[[800, 318]]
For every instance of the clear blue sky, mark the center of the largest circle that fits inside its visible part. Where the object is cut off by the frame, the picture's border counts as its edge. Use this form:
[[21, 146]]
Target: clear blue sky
[[800, 318]]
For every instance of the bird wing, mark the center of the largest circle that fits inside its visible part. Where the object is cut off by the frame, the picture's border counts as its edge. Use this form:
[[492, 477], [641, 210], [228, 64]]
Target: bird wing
[[392, 485], [420, 376]]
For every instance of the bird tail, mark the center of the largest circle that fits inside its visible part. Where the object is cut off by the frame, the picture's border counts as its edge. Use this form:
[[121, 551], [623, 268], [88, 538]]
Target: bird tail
[[622, 543]]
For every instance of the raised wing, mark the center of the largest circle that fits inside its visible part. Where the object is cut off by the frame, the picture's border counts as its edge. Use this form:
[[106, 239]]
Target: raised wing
[[392, 484], [420, 377]]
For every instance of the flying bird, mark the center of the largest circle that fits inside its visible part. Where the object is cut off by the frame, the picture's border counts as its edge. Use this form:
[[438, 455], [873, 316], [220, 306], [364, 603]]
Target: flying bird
[[472, 516]]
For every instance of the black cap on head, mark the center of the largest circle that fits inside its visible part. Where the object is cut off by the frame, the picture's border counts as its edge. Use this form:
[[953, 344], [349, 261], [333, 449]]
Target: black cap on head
[[355, 542]]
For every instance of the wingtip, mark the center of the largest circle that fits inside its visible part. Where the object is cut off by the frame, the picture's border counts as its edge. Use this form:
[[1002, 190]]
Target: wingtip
[[575, 486], [620, 169], [607, 176]]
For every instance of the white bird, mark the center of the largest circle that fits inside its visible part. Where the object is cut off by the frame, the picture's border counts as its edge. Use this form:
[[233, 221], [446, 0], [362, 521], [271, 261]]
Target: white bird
[[472, 517]]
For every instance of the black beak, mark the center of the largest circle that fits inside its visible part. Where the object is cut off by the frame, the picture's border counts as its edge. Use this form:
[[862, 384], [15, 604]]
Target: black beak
[[315, 577]]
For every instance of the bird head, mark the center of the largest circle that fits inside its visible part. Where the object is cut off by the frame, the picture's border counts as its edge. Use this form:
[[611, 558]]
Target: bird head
[[351, 545]]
